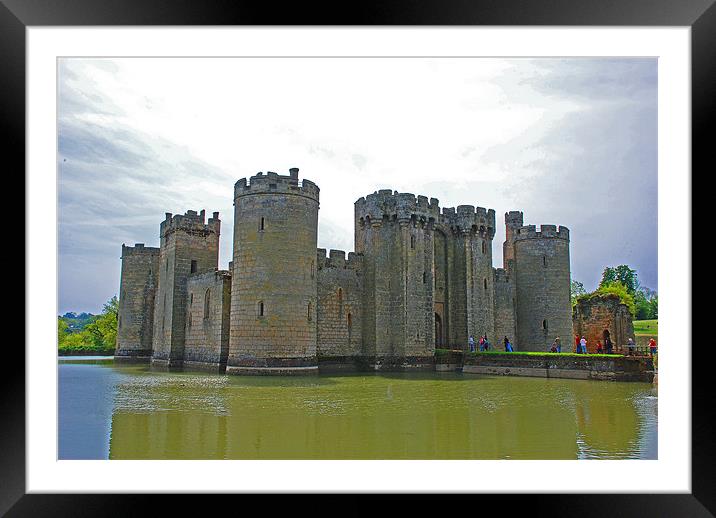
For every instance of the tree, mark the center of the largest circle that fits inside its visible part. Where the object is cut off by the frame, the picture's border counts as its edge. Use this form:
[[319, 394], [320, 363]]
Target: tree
[[622, 274], [617, 288], [103, 329], [576, 290]]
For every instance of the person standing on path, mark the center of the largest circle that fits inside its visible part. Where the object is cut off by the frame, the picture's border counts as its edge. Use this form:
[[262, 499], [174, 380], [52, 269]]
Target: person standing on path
[[631, 345], [471, 342], [608, 345], [652, 346], [558, 343], [576, 343], [481, 343], [583, 345]]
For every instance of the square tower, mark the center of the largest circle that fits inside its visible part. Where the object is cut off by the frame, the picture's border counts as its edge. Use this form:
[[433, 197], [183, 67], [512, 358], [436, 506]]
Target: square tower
[[188, 246]]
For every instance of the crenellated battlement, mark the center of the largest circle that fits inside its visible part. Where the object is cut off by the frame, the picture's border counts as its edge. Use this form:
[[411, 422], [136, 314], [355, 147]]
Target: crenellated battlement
[[138, 249], [394, 205], [337, 259], [545, 232], [468, 217], [191, 222], [275, 183]]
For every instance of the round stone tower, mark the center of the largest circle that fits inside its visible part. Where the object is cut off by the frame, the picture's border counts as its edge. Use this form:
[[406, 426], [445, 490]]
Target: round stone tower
[[541, 273], [274, 290]]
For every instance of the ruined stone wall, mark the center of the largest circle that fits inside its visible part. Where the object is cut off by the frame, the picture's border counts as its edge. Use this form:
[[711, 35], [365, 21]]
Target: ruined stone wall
[[542, 277], [137, 289], [593, 315], [187, 244], [504, 309], [206, 344], [339, 307], [274, 286]]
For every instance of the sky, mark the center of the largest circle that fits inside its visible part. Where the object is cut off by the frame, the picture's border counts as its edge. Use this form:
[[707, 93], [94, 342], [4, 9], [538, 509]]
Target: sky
[[569, 142]]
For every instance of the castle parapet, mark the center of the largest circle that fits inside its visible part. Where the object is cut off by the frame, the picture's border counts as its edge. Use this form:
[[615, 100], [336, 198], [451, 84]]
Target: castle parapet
[[138, 249], [337, 259], [191, 222], [275, 183], [394, 205], [469, 218], [545, 231], [501, 275]]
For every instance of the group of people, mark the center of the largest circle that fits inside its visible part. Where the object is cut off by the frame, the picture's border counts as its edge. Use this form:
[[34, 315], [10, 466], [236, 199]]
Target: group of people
[[484, 344], [580, 345]]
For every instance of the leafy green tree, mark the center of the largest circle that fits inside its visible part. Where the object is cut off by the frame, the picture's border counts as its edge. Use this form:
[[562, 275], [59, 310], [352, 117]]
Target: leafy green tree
[[622, 274], [103, 329], [617, 288], [576, 290]]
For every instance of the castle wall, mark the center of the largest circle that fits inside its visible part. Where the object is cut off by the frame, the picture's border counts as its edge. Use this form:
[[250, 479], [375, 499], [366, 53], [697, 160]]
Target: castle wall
[[187, 244], [542, 276], [274, 286], [593, 315], [206, 344], [395, 237], [504, 297], [137, 290], [339, 308]]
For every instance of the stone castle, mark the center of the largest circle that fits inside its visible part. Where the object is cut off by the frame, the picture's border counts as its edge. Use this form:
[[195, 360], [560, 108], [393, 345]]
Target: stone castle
[[420, 278]]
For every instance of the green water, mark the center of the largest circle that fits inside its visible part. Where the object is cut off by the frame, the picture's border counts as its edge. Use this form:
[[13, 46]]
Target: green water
[[129, 412]]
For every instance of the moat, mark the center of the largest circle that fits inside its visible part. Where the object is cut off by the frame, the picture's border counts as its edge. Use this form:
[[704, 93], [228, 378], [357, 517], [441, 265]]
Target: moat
[[130, 412]]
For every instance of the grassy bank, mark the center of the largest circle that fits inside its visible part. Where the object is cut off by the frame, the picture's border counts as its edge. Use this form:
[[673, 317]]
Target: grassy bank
[[646, 327]]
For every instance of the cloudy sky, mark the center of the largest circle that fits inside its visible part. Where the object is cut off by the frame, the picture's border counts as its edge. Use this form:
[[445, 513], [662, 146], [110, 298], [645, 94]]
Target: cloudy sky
[[570, 142]]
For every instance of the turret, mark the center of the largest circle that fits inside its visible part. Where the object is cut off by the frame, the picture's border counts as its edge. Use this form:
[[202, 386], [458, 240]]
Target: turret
[[188, 245], [542, 274], [274, 295]]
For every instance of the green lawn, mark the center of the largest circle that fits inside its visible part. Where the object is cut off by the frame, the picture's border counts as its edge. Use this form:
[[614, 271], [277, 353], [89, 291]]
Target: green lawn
[[646, 327]]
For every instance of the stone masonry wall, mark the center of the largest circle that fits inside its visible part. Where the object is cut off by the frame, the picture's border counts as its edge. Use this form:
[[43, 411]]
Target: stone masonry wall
[[274, 286], [504, 308], [542, 277], [206, 343], [186, 243], [137, 289], [339, 307], [595, 314]]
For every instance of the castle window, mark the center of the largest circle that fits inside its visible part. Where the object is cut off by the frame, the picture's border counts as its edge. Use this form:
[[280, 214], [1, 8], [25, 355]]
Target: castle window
[[309, 311], [544, 260], [262, 223], [167, 265], [350, 321], [412, 242], [190, 319], [261, 308], [485, 283], [544, 325], [425, 276], [193, 266], [313, 269], [191, 299], [340, 302], [207, 302]]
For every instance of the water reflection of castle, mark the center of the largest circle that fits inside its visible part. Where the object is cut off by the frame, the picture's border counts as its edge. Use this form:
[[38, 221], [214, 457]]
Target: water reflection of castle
[[305, 419]]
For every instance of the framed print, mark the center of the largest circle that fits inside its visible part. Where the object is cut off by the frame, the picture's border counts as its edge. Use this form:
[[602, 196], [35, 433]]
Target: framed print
[[372, 233]]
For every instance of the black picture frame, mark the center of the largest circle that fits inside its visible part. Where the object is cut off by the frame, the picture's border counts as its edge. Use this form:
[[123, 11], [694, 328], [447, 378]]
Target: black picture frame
[[700, 15]]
